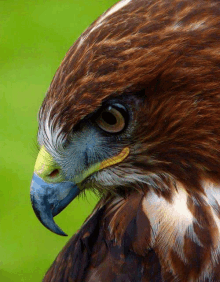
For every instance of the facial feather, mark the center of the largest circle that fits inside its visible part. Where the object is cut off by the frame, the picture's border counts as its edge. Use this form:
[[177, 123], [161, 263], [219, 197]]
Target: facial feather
[[161, 59]]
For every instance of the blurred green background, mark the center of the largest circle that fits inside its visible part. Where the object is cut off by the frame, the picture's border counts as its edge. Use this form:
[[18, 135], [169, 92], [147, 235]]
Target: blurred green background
[[34, 37]]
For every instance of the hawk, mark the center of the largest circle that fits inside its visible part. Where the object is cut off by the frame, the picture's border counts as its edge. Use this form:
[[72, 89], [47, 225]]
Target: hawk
[[133, 113]]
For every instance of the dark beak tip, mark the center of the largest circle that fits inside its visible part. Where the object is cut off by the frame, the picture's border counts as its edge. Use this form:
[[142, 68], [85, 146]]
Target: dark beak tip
[[63, 234], [57, 231]]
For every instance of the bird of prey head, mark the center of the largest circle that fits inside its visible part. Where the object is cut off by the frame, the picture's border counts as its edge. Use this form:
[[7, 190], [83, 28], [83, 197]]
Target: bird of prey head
[[133, 112]]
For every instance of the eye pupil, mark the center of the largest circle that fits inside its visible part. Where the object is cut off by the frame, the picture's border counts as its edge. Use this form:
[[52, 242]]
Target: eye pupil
[[109, 118], [112, 119]]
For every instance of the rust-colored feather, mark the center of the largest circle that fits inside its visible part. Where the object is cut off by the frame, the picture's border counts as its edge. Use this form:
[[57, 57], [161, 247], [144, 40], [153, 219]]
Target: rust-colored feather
[[165, 56], [94, 254], [143, 41]]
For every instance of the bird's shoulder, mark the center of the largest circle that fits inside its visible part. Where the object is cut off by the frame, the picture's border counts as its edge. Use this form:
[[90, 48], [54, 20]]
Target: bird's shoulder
[[112, 245], [145, 237]]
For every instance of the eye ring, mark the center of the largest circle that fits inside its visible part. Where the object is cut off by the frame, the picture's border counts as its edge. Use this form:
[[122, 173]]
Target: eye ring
[[113, 118]]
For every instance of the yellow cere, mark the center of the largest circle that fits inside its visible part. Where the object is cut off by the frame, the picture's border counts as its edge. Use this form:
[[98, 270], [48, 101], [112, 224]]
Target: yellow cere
[[45, 165]]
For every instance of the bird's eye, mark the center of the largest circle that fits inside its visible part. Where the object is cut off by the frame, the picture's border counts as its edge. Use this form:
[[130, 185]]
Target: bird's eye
[[112, 119]]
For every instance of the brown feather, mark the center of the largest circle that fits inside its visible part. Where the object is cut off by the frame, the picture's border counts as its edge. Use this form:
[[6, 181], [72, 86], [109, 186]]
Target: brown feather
[[164, 54]]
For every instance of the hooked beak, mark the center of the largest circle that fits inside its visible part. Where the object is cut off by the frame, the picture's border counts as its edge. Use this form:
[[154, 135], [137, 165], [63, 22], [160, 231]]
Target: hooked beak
[[49, 199], [50, 193]]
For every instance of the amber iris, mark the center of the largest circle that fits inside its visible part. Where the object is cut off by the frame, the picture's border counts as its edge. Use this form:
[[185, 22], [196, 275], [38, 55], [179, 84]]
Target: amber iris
[[111, 119]]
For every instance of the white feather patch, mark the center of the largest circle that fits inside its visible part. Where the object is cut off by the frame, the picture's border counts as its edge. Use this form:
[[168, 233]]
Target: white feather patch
[[212, 197], [114, 9], [170, 221], [49, 135]]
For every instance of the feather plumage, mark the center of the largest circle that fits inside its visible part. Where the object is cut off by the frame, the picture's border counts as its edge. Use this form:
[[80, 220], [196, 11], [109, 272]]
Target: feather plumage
[[159, 215]]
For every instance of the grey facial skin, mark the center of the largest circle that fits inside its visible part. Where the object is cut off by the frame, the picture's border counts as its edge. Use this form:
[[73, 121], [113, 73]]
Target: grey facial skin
[[75, 157]]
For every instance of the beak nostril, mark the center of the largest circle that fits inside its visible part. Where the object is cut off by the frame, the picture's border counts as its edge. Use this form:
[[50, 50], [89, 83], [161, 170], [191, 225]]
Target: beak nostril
[[54, 173]]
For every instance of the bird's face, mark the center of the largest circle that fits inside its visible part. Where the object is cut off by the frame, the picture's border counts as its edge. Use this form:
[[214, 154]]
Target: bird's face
[[93, 155], [133, 106]]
